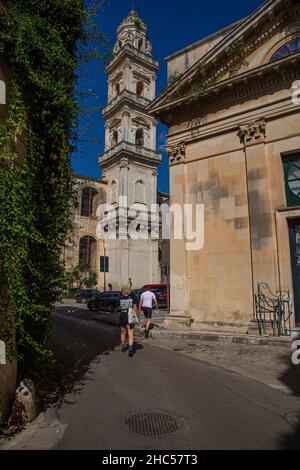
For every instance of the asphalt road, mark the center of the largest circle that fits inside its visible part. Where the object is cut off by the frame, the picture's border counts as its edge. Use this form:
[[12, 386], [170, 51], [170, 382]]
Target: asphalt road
[[213, 408], [99, 388]]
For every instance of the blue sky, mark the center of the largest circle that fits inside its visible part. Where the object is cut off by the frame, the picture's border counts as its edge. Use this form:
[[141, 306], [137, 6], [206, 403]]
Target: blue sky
[[172, 25]]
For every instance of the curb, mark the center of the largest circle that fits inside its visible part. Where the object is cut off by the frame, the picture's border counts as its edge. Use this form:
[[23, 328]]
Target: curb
[[223, 337]]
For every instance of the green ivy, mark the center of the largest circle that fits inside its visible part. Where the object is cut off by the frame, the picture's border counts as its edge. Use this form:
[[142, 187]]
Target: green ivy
[[39, 41]]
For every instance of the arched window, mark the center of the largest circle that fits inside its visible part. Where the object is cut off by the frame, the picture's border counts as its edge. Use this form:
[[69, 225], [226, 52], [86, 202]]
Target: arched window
[[287, 49], [139, 88], [140, 44], [88, 252], [140, 191], [89, 199], [115, 137], [117, 89], [139, 138], [114, 191]]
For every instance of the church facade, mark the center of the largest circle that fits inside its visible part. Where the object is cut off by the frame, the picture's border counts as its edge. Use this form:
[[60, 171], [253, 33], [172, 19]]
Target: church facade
[[233, 111]]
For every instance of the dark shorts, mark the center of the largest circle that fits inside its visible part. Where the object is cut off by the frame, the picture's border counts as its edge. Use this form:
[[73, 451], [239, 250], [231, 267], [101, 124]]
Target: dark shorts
[[147, 312], [124, 320]]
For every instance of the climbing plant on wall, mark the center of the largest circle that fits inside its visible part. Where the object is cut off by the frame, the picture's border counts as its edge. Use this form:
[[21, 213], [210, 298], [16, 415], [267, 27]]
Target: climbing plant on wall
[[40, 41]]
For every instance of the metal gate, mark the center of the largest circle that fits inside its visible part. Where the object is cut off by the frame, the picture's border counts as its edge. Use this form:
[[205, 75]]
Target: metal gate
[[273, 311]]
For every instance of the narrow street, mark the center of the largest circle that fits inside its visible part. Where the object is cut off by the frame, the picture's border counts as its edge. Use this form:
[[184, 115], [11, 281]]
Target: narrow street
[[212, 408]]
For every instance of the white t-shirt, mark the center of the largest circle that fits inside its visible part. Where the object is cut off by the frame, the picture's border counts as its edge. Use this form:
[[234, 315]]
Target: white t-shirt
[[147, 299]]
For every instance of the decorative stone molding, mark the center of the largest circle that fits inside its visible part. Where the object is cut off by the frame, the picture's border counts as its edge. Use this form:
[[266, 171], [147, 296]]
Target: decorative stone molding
[[293, 27], [256, 38], [243, 88], [177, 153], [124, 163], [252, 132]]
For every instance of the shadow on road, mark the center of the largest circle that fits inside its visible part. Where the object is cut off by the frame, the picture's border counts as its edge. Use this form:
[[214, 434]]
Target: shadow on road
[[75, 348], [291, 378]]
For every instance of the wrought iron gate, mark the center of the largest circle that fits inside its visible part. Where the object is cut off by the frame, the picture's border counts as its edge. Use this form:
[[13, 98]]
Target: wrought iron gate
[[273, 311]]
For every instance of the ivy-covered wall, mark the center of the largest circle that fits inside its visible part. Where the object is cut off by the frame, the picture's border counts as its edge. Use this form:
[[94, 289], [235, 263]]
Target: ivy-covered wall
[[39, 43]]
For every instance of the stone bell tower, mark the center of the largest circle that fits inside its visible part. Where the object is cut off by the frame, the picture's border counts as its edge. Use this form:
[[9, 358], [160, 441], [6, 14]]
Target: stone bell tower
[[130, 160]]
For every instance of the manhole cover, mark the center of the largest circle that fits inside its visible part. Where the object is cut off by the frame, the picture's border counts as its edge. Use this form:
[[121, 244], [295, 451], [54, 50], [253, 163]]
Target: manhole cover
[[151, 424]]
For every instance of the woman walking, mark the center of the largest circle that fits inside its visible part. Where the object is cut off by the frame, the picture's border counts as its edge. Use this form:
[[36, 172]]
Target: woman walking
[[127, 301]]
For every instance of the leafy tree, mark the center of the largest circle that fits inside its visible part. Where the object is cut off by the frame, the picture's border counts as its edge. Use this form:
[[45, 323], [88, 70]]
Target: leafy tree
[[83, 276], [42, 42]]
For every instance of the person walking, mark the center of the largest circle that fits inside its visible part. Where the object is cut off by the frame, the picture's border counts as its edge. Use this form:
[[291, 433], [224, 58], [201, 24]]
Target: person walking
[[147, 300], [127, 301]]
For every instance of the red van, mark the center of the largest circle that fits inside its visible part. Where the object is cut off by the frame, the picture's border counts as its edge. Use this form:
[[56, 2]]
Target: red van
[[164, 288]]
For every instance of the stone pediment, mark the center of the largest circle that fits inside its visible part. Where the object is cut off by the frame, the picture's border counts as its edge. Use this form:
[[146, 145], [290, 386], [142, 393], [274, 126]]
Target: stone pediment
[[245, 48]]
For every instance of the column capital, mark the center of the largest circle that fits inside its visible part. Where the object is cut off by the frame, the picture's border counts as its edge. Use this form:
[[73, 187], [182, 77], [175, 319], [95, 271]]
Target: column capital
[[177, 153], [252, 132]]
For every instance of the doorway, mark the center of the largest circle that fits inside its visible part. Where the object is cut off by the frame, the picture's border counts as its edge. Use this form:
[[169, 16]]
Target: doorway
[[294, 234]]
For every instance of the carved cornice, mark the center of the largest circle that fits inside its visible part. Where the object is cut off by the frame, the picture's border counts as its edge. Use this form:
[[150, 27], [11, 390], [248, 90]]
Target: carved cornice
[[230, 63], [252, 132], [124, 163], [128, 98], [133, 54], [177, 153], [241, 87]]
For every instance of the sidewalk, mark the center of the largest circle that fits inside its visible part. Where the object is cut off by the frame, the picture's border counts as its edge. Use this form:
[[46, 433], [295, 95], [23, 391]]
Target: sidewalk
[[262, 361], [222, 337]]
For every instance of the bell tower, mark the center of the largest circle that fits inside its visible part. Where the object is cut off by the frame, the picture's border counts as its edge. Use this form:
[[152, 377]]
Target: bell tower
[[130, 160]]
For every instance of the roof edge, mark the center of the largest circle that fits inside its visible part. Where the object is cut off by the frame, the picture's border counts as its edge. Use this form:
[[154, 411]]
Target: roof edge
[[206, 38]]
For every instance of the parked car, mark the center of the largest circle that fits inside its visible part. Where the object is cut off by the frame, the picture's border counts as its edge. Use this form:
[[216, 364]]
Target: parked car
[[83, 295], [107, 301]]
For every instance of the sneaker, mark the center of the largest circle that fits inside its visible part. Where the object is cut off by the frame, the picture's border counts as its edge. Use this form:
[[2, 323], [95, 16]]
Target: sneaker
[[130, 352], [146, 333], [123, 348]]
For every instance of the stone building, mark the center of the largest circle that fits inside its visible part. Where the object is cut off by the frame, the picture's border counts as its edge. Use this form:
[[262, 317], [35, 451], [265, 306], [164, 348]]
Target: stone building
[[233, 111], [83, 246], [130, 160]]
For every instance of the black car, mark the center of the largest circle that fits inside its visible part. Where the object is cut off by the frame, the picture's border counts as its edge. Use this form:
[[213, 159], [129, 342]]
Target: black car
[[83, 295], [107, 301]]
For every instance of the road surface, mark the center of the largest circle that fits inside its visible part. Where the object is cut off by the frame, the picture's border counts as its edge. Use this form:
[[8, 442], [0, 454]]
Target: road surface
[[102, 388]]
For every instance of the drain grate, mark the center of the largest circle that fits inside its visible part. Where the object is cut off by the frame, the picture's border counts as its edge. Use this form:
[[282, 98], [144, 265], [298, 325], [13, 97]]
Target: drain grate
[[151, 424]]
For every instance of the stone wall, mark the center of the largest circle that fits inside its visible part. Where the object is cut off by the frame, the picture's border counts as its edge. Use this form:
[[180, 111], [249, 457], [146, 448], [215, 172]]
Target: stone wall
[[241, 184]]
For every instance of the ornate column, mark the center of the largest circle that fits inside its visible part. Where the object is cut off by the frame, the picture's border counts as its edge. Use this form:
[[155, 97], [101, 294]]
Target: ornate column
[[261, 221], [179, 318]]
